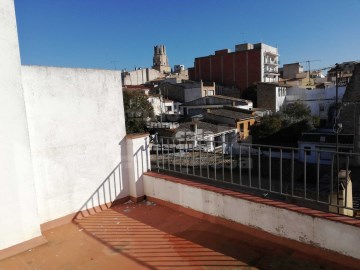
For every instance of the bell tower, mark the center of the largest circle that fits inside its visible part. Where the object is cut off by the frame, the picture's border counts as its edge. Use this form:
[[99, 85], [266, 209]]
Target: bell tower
[[160, 60]]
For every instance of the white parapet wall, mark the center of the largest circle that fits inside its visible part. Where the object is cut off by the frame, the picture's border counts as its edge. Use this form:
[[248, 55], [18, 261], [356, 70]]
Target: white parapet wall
[[19, 218], [316, 231], [77, 135], [138, 162]]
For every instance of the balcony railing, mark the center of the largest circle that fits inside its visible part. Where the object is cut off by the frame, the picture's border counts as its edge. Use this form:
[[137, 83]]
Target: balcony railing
[[316, 178]]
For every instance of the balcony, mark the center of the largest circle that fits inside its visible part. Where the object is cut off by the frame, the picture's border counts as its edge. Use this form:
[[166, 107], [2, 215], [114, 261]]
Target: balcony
[[271, 63]]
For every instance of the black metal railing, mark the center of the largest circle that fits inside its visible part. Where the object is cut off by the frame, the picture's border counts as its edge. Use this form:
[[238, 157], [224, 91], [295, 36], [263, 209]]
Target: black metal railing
[[315, 178]]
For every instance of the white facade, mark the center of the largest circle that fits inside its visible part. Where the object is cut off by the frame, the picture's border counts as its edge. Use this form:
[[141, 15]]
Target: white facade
[[76, 123], [140, 76], [63, 147], [280, 97], [269, 63], [19, 214], [161, 105], [318, 100]]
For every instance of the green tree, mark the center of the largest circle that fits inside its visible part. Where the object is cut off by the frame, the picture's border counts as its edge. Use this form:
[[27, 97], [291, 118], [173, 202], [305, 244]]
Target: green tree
[[137, 110], [286, 127], [268, 126], [298, 110]]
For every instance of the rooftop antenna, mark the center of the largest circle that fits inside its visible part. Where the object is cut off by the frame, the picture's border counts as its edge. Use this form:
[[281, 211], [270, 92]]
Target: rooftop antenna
[[114, 63], [309, 70], [243, 36]]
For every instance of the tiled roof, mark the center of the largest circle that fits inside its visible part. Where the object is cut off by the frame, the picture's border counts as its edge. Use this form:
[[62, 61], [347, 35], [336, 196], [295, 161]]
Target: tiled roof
[[206, 126], [204, 100], [231, 114]]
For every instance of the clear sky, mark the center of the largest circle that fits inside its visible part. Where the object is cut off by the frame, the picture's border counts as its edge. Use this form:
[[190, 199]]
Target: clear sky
[[121, 33]]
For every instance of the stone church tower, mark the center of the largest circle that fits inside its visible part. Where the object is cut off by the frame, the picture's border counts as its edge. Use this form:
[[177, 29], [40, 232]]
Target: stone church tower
[[160, 60]]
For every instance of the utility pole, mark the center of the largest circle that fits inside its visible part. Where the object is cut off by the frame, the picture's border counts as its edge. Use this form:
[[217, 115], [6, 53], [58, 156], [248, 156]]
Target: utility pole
[[309, 69], [336, 125]]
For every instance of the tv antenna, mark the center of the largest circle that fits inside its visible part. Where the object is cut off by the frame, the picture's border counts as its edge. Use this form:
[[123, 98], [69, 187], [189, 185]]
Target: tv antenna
[[308, 64], [114, 62]]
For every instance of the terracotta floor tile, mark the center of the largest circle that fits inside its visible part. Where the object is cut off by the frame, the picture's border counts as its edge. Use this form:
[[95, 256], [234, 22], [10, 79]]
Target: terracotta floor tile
[[150, 236]]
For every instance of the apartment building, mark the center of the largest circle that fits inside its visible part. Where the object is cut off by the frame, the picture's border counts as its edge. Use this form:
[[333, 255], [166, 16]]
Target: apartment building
[[250, 63]]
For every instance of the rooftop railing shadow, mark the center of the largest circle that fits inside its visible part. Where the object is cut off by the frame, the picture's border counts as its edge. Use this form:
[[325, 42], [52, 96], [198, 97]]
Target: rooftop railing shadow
[[160, 238], [140, 236]]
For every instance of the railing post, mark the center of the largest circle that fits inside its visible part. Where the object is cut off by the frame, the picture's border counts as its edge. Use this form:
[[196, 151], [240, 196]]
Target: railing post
[[259, 167], [250, 164], [305, 173], [281, 171], [157, 153], [292, 171], [270, 168], [317, 175]]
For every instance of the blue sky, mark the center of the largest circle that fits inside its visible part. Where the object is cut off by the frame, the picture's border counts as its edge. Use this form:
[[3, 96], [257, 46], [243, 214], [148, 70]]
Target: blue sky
[[95, 33]]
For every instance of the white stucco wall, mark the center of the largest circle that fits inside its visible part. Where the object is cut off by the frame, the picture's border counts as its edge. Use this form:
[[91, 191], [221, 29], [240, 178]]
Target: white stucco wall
[[76, 122], [138, 160], [141, 76], [314, 98], [19, 219], [191, 94], [331, 235]]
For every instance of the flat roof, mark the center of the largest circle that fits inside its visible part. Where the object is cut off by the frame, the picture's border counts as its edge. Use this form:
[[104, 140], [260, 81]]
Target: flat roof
[[148, 235]]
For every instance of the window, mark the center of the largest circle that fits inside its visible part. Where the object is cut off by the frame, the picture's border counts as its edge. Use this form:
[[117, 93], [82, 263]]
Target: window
[[242, 127]]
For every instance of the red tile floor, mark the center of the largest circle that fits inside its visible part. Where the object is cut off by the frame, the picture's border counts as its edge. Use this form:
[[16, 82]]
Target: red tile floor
[[151, 236]]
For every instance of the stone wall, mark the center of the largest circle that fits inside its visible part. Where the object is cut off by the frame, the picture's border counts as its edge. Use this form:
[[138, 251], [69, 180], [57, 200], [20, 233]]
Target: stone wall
[[266, 96]]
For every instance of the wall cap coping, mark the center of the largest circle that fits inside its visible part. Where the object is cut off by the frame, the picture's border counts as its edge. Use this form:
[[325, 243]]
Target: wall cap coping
[[137, 135], [253, 198]]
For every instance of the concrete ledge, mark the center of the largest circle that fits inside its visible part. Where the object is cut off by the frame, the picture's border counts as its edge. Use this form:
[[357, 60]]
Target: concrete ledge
[[24, 246], [253, 198], [319, 229]]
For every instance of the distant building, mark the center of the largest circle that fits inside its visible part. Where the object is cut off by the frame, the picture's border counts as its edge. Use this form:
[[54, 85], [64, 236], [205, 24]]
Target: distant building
[[319, 145], [294, 75], [160, 59], [200, 105], [199, 133], [345, 71], [249, 63], [186, 91], [161, 105], [320, 100], [232, 117], [140, 76], [290, 70], [179, 68], [271, 96]]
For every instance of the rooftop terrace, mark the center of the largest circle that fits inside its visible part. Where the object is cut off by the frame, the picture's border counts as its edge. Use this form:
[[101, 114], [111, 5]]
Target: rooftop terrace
[[147, 235]]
